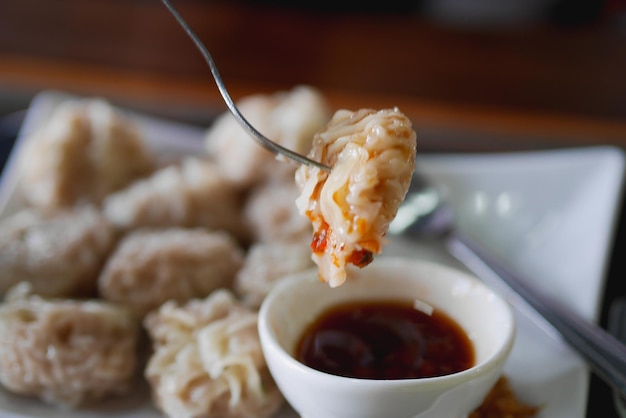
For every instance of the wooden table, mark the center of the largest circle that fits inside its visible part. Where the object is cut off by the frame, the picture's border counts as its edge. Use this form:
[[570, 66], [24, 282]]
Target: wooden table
[[470, 89], [465, 88]]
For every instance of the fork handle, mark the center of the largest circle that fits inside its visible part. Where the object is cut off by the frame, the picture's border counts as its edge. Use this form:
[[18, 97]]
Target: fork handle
[[604, 354]]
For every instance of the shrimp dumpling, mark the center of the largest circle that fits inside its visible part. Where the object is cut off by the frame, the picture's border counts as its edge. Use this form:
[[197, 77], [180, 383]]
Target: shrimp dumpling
[[372, 159]]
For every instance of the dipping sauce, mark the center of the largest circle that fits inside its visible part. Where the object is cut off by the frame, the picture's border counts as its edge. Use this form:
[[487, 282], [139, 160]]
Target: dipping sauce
[[385, 340]]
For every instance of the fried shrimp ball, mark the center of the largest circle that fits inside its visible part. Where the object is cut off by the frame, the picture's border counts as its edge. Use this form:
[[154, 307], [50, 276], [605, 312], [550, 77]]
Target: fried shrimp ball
[[271, 214], [150, 267], [266, 263], [66, 352], [372, 159], [289, 118], [60, 253], [85, 151], [207, 360], [191, 194]]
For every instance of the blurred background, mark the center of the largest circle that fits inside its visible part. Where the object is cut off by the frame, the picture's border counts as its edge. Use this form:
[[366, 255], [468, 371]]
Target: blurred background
[[552, 70], [473, 75]]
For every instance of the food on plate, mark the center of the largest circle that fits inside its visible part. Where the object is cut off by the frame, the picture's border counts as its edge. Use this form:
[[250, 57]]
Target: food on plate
[[192, 193], [150, 267], [266, 264], [271, 215], [86, 150], [501, 402], [372, 159], [151, 231], [58, 252], [289, 118], [207, 360], [66, 352]]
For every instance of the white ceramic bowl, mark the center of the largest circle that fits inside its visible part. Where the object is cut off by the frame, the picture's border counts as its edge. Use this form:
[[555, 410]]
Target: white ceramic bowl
[[296, 302]]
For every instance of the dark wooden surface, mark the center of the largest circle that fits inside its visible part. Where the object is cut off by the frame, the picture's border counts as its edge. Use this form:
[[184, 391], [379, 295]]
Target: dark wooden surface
[[530, 85], [467, 88]]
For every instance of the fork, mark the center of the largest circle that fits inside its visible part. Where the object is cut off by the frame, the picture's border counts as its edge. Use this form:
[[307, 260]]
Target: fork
[[258, 136]]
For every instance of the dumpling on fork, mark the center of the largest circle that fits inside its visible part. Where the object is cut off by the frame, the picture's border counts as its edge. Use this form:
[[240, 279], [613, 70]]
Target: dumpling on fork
[[372, 158]]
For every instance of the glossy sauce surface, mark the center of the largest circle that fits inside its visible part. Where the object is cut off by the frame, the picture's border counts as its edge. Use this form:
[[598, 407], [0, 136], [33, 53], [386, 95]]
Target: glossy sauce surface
[[385, 340]]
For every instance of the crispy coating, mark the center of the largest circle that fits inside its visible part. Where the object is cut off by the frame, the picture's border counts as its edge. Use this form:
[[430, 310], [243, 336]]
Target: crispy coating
[[190, 194], [66, 352], [60, 253], [271, 214], [208, 362], [85, 151], [266, 264], [289, 118], [150, 267]]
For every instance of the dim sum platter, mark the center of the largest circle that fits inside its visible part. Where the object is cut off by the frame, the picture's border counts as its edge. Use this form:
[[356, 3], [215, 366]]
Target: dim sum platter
[[550, 214]]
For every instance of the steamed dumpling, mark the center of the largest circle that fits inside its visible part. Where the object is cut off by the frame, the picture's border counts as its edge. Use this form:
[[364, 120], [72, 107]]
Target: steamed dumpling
[[152, 266], [66, 352], [85, 151], [267, 264], [192, 193], [289, 118], [372, 159], [208, 362], [58, 252]]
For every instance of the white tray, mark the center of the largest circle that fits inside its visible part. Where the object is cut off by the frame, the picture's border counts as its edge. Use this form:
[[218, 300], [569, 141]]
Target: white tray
[[549, 214]]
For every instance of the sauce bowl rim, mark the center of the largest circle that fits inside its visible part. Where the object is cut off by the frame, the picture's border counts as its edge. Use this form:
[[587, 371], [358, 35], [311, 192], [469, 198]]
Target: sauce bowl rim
[[269, 340]]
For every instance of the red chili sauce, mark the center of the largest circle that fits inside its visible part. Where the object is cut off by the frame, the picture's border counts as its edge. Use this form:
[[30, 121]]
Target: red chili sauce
[[385, 340]]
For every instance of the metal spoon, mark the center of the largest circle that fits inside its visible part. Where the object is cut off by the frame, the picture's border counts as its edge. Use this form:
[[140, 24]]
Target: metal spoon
[[424, 212], [258, 136]]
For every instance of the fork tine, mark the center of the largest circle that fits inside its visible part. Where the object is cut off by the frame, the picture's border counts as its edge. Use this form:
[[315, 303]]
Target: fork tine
[[258, 136]]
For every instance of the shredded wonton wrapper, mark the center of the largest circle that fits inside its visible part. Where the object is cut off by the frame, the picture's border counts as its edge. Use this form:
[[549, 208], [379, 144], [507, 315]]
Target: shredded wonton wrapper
[[372, 159], [207, 360]]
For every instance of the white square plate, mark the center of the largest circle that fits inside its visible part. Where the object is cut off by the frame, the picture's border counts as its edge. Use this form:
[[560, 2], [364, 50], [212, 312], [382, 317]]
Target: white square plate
[[550, 214]]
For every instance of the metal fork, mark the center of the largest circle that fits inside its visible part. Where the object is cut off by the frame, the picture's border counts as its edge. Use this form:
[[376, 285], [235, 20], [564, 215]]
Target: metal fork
[[259, 137]]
